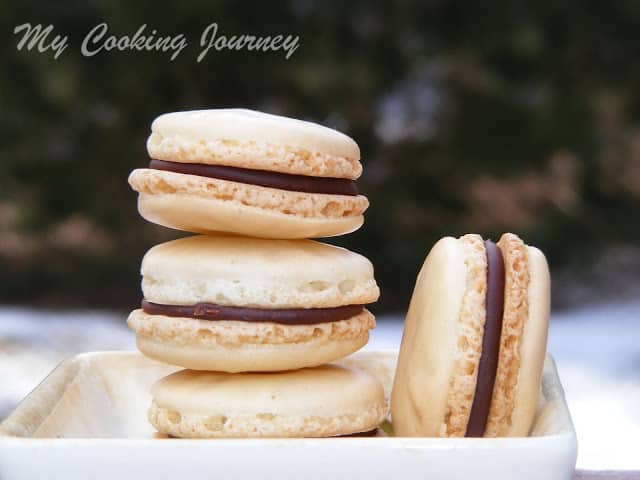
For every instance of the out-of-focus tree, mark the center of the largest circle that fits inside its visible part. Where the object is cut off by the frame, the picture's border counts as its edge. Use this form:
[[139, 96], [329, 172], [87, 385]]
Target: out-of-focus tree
[[486, 117]]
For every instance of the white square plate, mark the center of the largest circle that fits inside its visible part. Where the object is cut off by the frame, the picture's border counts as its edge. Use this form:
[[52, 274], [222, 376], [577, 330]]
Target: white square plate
[[87, 419]]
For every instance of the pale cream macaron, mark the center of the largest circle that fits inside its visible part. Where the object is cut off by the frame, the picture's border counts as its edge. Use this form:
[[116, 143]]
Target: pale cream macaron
[[250, 173], [233, 304], [323, 401], [474, 341]]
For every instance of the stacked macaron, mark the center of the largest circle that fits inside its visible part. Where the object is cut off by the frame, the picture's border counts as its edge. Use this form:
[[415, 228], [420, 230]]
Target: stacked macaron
[[250, 173], [253, 294]]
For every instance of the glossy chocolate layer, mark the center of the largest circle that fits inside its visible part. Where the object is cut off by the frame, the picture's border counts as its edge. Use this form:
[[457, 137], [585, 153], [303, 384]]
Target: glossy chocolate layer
[[286, 316], [369, 433], [488, 365], [263, 178]]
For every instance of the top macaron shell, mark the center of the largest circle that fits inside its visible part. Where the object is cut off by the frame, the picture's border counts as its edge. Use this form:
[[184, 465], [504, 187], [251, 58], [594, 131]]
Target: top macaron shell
[[250, 272], [272, 142], [245, 139], [429, 386]]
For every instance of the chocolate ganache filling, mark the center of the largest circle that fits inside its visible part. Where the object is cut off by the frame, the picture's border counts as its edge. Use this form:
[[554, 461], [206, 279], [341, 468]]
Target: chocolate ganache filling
[[263, 178], [488, 365], [286, 316]]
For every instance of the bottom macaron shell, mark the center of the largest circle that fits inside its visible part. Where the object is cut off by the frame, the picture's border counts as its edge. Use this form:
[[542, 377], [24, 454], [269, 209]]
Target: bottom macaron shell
[[250, 357], [172, 422], [204, 205], [233, 346], [527, 304]]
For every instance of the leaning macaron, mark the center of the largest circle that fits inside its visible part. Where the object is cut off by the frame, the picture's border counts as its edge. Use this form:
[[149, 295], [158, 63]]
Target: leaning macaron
[[250, 173], [313, 402], [234, 304], [474, 341]]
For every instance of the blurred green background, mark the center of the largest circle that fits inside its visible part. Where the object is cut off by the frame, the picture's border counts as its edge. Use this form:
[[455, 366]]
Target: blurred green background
[[482, 117]]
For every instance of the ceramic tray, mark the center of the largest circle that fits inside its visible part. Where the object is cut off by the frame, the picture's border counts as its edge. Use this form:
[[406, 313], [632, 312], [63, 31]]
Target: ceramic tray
[[87, 419]]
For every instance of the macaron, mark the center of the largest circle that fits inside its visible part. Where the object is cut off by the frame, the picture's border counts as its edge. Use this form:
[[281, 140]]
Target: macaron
[[474, 341], [250, 173], [234, 304], [313, 402]]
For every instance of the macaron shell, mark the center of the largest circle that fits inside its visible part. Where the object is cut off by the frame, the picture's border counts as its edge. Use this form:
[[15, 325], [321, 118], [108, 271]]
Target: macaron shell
[[324, 391], [534, 345], [171, 422], [253, 272], [523, 339], [235, 346], [250, 357], [250, 139], [208, 205], [426, 361], [324, 401], [469, 338]]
